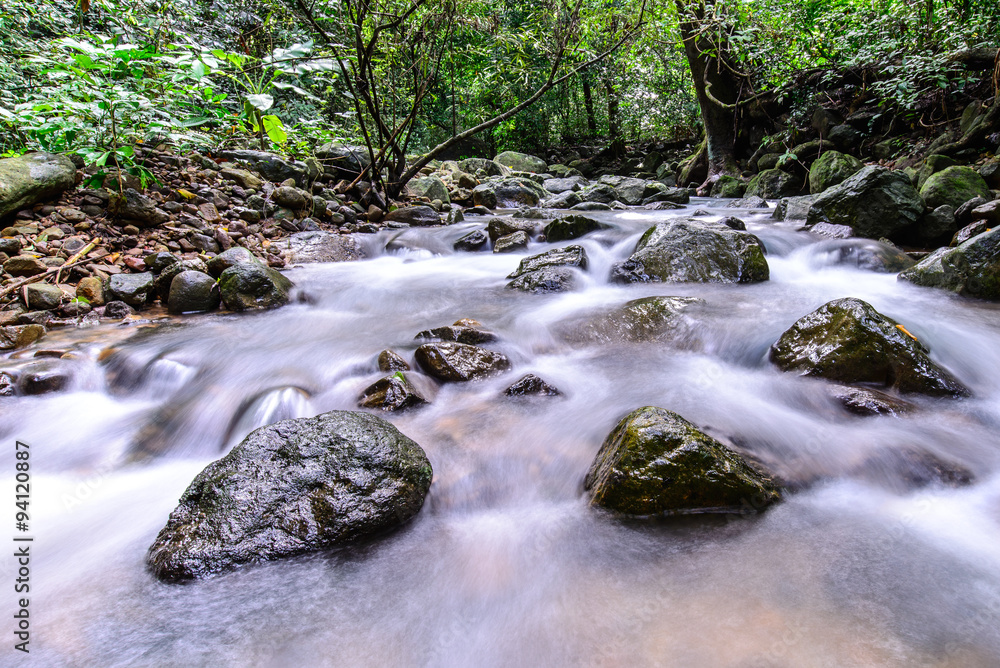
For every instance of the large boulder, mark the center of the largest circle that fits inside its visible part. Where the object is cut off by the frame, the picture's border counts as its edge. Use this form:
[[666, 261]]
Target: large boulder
[[31, 178], [565, 184], [293, 487], [953, 186], [508, 193], [134, 208], [932, 165], [308, 247], [484, 166], [460, 362], [694, 251], [971, 269], [192, 292], [728, 186], [876, 202], [572, 227], [343, 160], [416, 216], [430, 187], [655, 462], [521, 162], [847, 340], [13, 337], [272, 167], [774, 184], [247, 286], [793, 208], [551, 271], [830, 169]]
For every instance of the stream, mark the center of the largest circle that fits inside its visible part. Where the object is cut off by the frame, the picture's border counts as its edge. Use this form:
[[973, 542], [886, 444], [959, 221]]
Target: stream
[[507, 564]]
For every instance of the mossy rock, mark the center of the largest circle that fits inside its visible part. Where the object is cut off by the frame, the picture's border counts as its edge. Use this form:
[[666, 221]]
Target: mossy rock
[[830, 169], [655, 462], [953, 186], [521, 162], [971, 269], [728, 186], [875, 202], [247, 286], [572, 227], [774, 184], [847, 340]]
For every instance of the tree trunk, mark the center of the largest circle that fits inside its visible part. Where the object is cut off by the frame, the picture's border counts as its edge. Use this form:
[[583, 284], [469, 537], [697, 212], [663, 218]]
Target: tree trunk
[[717, 89], [613, 127], [588, 103]]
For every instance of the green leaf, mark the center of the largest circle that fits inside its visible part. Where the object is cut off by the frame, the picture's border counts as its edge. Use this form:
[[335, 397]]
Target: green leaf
[[262, 101], [199, 69], [274, 129]]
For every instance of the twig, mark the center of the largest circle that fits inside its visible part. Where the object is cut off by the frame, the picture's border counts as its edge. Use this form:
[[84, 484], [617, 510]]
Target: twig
[[76, 256], [38, 277]]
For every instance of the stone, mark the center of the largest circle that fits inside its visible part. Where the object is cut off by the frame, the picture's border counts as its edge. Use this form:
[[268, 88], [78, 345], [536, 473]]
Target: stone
[[157, 262], [43, 297], [132, 207], [876, 202], [830, 169], [390, 361], [249, 286], [272, 167], [392, 393], [117, 310], [457, 333], [473, 241], [867, 402], [654, 462], [567, 184], [483, 165], [793, 208], [227, 259], [564, 200], [832, 231], [596, 206], [31, 178], [963, 214], [43, 378], [932, 165], [644, 320], [192, 292], [290, 198], [13, 337], [133, 289], [508, 193], [572, 227], [532, 385], [728, 186], [969, 231], [309, 247], [209, 213], [570, 256], [242, 178], [848, 341], [511, 242], [430, 187], [971, 269], [866, 254], [162, 282], [459, 362], [953, 186], [417, 216], [845, 138], [24, 265], [316, 483], [521, 162], [695, 251], [630, 191], [774, 184], [988, 213], [935, 227], [600, 193], [750, 202], [545, 280], [10, 246]]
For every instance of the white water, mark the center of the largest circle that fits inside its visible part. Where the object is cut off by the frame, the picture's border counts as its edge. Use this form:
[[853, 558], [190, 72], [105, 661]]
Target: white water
[[506, 565]]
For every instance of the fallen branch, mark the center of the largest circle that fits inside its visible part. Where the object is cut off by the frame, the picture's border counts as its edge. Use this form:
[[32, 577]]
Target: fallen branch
[[76, 256], [38, 277]]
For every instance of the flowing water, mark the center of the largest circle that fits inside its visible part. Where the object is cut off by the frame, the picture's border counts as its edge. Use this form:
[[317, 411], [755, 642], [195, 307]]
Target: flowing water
[[507, 565]]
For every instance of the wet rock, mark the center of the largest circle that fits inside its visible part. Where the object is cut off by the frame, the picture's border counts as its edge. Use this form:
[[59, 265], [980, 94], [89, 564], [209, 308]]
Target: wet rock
[[963, 214], [390, 361], [501, 227], [511, 243], [570, 256], [116, 310], [43, 297], [32, 178], [629, 191], [289, 197], [133, 289], [546, 280], [132, 207], [793, 208], [655, 462], [692, 250], [953, 186], [521, 162], [309, 247], [638, 321], [832, 231], [316, 483], [227, 259], [162, 282], [484, 165], [600, 193], [8, 385], [157, 262], [932, 165], [471, 242], [457, 333], [459, 362], [392, 393], [971, 269], [935, 227], [249, 286], [663, 206], [508, 193], [875, 202], [417, 216], [532, 385], [830, 169], [572, 227], [988, 212], [192, 292], [849, 341], [867, 402], [75, 309], [44, 377], [969, 231], [566, 184], [728, 186], [13, 337], [774, 184], [24, 265], [591, 206], [907, 469], [564, 200]]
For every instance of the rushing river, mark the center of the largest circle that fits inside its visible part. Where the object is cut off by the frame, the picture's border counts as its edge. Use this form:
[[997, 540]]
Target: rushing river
[[507, 565]]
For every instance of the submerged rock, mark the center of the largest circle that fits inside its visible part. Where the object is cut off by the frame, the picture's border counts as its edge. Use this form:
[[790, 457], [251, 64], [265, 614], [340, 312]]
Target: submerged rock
[[532, 385], [457, 333], [971, 269], [849, 341], [572, 227], [460, 362], [391, 361], [655, 462], [471, 242], [293, 487], [550, 271], [867, 402], [694, 251], [638, 321], [249, 286]]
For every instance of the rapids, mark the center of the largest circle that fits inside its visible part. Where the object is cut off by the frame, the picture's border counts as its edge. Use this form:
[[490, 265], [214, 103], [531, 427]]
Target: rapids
[[507, 565]]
